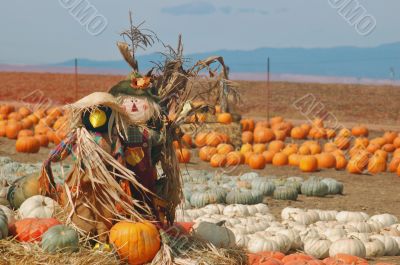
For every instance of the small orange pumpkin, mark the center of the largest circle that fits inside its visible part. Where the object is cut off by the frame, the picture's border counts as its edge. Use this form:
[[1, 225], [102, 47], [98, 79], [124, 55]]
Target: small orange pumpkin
[[234, 158], [12, 130], [225, 118], [341, 162], [206, 152], [224, 149], [268, 156], [248, 125], [276, 145], [218, 160], [24, 133], [259, 148], [27, 144], [304, 150], [298, 133], [256, 161], [390, 136], [183, 155], [326, 160], [263, 135], [201, 139], [294, 159], [214, 139], [280, 159], [359, 130], [290, 149], [246, 148], [43, 140], [247, 137], [308, 164]]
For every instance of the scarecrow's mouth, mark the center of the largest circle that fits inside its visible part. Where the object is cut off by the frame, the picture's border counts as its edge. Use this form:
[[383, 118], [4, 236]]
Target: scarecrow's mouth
[[134, 108]]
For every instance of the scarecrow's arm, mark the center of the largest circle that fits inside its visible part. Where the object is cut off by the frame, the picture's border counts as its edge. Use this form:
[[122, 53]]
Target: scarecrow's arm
[[58, 154]]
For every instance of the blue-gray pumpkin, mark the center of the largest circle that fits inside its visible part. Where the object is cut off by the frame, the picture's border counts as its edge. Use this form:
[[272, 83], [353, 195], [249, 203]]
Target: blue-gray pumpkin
[[285, 193], [3, 225], [264, 185], [60, 238], [334, 186], [314, 187]]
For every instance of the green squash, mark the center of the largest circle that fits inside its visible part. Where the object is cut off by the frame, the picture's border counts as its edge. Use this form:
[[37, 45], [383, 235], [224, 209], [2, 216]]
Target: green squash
[[334, 186], [23, 189], [294, 184], [314, 187], [285, 193], [202, 198], [60, 238], [243, 196], [3, 225], [264, 185]]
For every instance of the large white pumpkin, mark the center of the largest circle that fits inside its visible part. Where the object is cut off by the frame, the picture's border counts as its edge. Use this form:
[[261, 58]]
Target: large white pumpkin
[[350, 246], [385, 219], [38, 206], [391, 246], [374, 248], [318, 248], [346, 216]]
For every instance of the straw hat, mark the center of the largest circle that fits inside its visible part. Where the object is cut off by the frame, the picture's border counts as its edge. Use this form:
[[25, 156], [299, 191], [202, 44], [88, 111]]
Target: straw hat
[[97, 99]]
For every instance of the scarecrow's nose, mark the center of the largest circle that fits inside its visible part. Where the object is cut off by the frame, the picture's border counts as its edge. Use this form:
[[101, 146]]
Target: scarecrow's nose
[[134, 108]]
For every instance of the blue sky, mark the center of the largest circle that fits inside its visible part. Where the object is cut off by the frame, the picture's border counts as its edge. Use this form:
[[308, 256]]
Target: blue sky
[[44, 31]]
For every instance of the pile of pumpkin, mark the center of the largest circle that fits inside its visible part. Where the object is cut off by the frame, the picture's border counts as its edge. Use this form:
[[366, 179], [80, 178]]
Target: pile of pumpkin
[[319, 234], [36, 219], [202, 188], [313, 147], [32, 130]]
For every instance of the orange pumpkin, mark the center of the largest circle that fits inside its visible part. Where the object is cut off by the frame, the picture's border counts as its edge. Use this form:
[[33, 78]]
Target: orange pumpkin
[[361, 141], [259, 257], [32, 229], [12, 130], [396, 142], [330, 147], [377, 164], [342, 142], [263, 135], [136, 243], [296, 257], [259, 148], [214, 139], [280, 159], [330, 133], [315, 148], [396, 153], [276, 145], [246, 148], [304, 150], [187, 140], [268, 156], [394, 164], [183, 155], [290, 149], [326, 160], [318, 122], [224, 149], [206, 152], [54, 112], [27, 144], [298, 133], [234, 158], [41, 129], [381, 153], [24, 133], [225, 118], [345, 259], [378, 141], [308, 163], [43, 140], [372, 148], [344, 133], [256, 161], [15, 116], [359, 130], [33, 118], [201, 139], [389, 148], [294, 159], [247, 137], [26, 123], [390, 136], [341, 162], [280, 135], [247, 157], [24, 111], [276, 120], [6, 109], [247, 125], [306, 128], [357, 164], [262, 124], [2, 130], [218, 160], [398, 171]]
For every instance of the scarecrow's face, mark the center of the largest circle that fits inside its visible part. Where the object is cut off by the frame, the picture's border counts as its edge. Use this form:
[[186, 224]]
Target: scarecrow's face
[[139, 109]]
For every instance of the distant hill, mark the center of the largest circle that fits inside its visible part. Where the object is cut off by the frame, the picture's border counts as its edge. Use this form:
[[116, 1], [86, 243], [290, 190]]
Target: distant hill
[[350, 62]]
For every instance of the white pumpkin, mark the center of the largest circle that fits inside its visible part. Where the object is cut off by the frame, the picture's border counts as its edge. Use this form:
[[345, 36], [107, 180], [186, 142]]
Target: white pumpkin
[[391, 246], [385, 219], [302, 218], [216, 234], [286, 212], [308, 234], [397, 239], [236, 210], [258, 244], [318, 248], [214, 208], [362, 227], [293, 236], [38, 206], [334, 234], [350, 246], [283, 242], [327, 215], [376, 226], [364, 237], [11, 218], [345, 216], [374, 248], [241, 240]]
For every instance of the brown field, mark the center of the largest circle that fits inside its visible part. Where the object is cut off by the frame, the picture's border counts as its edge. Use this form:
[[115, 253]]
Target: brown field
[[376, 106]]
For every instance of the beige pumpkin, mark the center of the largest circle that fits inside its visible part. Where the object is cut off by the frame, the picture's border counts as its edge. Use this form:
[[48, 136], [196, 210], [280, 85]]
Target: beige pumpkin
[[38, 207]]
